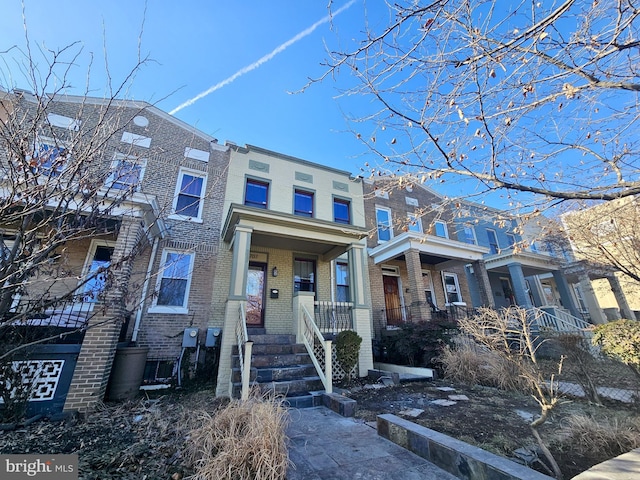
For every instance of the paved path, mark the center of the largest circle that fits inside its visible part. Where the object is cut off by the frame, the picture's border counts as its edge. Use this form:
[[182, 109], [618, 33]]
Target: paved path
[[324, 445]]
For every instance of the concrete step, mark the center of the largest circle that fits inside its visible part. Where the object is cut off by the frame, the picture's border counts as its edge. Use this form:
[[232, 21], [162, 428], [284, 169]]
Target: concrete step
[[285, 388], [271, 374], [273, 349], [273, 339]]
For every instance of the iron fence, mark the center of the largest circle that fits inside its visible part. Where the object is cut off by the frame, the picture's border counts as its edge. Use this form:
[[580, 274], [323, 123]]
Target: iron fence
[[333, 317]]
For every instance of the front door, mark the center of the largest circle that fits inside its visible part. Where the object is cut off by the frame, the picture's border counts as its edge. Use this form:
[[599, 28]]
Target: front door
[[255, 294], [507, 291], [392, 300]]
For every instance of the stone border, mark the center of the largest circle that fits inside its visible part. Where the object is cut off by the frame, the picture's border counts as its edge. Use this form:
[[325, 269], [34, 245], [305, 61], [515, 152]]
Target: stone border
[[456, 457]]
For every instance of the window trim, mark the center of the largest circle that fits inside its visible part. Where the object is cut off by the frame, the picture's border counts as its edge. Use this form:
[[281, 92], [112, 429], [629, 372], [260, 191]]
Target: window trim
[[55, 143], [511, 236], [343, 201], [194, 173], [495, 236], [310, 193], [471, 228], [261, 181], [309, 259], [347, 285], [427, 274], [389, 226], [88, 260], [184, 309], [444, 225], [121, 157], [457, 284]]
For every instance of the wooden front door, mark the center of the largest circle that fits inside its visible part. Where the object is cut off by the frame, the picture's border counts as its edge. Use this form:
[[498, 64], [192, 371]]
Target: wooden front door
[[256, 277], [392, 300]]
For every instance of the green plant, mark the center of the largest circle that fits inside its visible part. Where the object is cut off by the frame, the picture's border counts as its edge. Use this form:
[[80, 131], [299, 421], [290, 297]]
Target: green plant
[[620, 340], [348, 350], [245, 439]]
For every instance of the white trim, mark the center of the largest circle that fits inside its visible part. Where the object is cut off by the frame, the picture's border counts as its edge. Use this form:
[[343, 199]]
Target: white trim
[[196, 154], [389, 226], [495, 236], [193, 173], [413, 218], [390, 270], [178, 309], [473, 232], [132, 159], [61, 121], [91, 253], [457, 285], [136, 140], [427, 274], [444, 225]]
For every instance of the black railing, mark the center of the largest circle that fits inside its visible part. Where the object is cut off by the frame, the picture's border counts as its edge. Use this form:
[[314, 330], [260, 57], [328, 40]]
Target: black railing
[[333, 317], [391, 317]]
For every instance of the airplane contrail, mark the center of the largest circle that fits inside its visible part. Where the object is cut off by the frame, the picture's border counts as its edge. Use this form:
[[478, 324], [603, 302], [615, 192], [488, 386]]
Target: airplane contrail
[[261, 61]]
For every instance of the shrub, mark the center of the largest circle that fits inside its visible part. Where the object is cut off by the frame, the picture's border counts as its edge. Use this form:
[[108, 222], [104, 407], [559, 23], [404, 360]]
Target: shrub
[[602, 436], [419, 344], [348, 350], [620, 340], [246, 439]]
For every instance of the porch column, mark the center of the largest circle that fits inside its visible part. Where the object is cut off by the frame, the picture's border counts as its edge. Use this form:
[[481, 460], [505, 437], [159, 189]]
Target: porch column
[[241, 246], [595, 312], [537, 293], [416, 284], [357, 265], [565, 294], [519, 285], [90, 377], [621, 299], [484, 285]]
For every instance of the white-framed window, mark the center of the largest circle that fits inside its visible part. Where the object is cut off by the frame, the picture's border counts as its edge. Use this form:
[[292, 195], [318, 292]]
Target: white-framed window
[[451, 286], [174, 282], [493, 241], [414, 223], [512, 240], [189, 196], [126, 172], [440, 229], [342, 281], [469, 234], [383, 221], [49, 157], [428, 287], [98, 257]]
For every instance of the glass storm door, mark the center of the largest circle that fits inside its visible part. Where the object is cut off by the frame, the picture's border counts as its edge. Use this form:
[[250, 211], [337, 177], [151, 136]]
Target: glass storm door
[[255, 294]]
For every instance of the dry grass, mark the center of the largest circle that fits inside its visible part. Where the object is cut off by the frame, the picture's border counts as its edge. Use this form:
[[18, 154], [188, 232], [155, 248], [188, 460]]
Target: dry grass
[[601, 435], [244, 440]]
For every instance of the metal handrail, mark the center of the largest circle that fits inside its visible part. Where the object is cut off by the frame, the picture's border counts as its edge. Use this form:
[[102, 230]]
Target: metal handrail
[[564, 323], [242, 337], [333, 317], [311, 333]]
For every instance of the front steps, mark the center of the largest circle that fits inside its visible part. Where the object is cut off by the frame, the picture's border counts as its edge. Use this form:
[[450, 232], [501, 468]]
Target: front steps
[[280, 366]]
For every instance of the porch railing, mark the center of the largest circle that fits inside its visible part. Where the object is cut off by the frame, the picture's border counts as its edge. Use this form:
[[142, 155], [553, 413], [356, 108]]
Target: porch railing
[[244, 350], [413, 313], [333, 317], [312, 336], [562, 322]]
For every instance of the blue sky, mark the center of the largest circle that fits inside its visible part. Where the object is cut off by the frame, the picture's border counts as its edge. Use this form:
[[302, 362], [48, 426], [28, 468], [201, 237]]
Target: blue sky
[[195, 45]]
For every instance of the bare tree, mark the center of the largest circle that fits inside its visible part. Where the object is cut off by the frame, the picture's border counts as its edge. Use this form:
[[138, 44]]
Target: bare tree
[[534, 97]]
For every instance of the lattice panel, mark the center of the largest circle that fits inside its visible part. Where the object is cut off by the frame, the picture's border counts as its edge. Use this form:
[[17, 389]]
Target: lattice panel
[[42, 376], [338, 371]]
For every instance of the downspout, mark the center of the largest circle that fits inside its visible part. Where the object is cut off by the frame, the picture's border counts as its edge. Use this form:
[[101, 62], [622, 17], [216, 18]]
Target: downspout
[[145, 287]]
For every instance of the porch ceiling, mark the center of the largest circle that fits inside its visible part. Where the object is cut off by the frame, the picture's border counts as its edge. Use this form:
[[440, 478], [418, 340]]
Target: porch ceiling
[[532, 263], [284, 231], [433, 250]]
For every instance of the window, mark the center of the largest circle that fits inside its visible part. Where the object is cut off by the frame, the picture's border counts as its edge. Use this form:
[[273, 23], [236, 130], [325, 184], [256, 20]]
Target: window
[[126, 173], [493, 241], [414, 223], [174, 281], [342, 282], [451, 287], [99, 258], [49, 158], [469, 235], [341, 211], [440, 229], [303, 203], [428, 288], [304, 274], [512, 240], [383, 219], [189, 194], [256, 193]]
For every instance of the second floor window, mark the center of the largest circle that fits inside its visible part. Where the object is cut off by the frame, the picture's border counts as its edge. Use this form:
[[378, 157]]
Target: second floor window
[[493, 241], [512, 240], [383, 220], [49, 158], [303, 203], [256, 193], [189, 195], [126, 173], [341, 211], [414, 223], [440, 229], [469, 235]]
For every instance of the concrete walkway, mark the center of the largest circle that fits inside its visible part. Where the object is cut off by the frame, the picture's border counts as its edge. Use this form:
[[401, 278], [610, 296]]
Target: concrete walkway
[[325, 445]]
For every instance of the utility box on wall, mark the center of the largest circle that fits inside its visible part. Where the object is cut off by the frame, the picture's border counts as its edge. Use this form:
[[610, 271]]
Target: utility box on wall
[[190, 338], [213, 337]]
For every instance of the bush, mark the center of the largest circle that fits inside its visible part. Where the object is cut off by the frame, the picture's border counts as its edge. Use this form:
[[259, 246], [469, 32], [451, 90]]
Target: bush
[[246, 439], [348, 350], [418, 344], [602, 436], [620, 340]]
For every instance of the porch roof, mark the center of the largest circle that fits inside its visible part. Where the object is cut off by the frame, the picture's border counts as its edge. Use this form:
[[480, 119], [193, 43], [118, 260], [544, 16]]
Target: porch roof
[[532, 263], [433, 249], [285, 231]]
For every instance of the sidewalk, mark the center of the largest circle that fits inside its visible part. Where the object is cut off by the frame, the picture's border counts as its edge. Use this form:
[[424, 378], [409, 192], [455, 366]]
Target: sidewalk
[[325, 445]]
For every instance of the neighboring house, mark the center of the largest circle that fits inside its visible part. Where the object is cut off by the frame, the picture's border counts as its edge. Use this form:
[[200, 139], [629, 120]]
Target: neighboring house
[[292, 239], [164, 182], [417, 258], [604, 240]]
